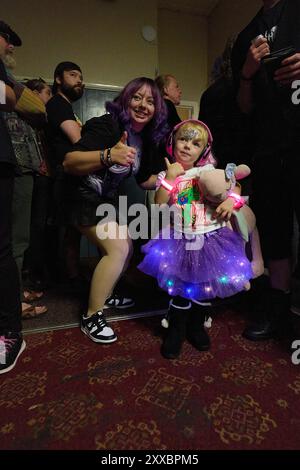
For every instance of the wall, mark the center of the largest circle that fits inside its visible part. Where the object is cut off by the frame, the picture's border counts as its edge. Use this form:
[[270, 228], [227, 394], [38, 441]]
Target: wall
[[103, 36], [182, 51], [227, 18]]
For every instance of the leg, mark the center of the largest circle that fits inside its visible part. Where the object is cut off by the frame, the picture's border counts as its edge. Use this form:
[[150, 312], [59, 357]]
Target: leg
[[39, 213], [71, 250], [116, 252], [10, 305], [21, 217], [11, 341], [196, 333], [257, 262], [271, 316], [178, 314], [116, 255]]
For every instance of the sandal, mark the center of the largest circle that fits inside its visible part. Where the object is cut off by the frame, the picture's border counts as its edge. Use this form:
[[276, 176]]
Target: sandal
[[31, 311], [32, 295]]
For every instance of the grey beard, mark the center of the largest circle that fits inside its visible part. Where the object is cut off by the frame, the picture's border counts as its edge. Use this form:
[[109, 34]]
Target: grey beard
[[9, 61]]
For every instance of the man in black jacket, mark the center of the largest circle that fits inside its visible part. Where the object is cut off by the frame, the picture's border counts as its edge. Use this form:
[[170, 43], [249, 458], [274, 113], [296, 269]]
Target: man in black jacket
[[267, 95]]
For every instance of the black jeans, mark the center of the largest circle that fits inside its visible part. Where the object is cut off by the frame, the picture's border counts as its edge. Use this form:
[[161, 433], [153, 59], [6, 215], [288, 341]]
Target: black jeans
[[36, 255], [10, 305]]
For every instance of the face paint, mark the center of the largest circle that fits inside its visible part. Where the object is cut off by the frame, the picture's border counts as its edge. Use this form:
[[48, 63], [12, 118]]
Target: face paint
[[189, 134]]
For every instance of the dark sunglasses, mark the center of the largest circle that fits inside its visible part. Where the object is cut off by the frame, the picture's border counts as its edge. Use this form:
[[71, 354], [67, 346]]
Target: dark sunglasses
[[5, 36]]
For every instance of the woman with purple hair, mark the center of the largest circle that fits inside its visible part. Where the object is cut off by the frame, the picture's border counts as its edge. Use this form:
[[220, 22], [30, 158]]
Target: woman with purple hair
[[113, 147]]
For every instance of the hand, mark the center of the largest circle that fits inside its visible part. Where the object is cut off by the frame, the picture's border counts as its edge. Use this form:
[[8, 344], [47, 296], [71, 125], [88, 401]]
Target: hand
[[121, 153], [254, 56], [224, 210], [173, 170], [289, 70]]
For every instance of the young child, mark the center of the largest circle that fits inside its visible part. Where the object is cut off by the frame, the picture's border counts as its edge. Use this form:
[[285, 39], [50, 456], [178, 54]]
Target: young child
[[201, 258]]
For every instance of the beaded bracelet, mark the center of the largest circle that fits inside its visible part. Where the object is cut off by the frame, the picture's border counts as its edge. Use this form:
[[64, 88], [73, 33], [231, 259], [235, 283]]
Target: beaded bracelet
[[108, 158], [102, 158]]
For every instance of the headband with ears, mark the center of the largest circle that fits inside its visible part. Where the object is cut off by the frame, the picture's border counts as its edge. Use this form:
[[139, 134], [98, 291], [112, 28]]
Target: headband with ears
[[206, 155]]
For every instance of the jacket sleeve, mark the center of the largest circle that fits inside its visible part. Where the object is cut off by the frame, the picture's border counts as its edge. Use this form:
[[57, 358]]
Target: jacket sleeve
[[99, 133]]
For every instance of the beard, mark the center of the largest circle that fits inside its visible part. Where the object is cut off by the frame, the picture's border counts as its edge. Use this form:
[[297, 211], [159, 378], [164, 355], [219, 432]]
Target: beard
[[9, 61], [73, 93]]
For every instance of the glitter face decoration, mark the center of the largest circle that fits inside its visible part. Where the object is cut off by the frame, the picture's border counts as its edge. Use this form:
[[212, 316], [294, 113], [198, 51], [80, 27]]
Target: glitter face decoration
[[189, 134]]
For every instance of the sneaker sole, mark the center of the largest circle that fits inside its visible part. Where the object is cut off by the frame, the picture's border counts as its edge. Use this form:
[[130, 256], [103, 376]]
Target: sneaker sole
[[23, 346], [98, 340], [120, 306]]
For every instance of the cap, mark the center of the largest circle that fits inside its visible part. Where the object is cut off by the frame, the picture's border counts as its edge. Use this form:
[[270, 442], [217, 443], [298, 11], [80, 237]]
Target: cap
[[13, 37]]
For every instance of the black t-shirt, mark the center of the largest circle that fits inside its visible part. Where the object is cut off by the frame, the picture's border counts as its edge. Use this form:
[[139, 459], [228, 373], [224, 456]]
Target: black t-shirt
[[6, 149], [276, 119], [101, 133], [58, 110], [229, 127], [268, 21]]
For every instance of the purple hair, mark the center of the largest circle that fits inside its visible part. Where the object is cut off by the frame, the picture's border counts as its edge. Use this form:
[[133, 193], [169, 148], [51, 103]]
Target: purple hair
[[157, 129]]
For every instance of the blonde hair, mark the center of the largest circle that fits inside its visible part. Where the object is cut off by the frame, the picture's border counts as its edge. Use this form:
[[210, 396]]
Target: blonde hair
[[203, 134]]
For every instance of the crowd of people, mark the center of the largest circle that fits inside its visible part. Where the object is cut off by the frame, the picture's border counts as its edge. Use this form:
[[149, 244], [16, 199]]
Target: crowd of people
[[55, 168]]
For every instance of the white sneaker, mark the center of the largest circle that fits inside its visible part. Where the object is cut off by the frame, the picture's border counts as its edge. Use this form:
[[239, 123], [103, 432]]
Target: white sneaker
[[96, 328], [117, 301]]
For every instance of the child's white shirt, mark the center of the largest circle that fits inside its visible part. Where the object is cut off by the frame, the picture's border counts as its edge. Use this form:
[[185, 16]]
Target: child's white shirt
[[192, 215]]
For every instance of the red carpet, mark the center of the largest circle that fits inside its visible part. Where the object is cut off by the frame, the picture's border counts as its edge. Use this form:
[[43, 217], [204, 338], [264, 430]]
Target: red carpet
[[69, 393]]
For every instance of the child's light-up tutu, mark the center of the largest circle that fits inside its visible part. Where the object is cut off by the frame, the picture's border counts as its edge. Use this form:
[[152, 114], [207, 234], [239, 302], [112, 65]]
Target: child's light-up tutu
[[216, 267]]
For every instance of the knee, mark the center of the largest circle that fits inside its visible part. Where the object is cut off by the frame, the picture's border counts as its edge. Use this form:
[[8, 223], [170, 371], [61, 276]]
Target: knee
[[124, 250]]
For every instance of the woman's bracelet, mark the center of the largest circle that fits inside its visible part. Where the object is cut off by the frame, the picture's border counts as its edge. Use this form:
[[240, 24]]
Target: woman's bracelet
[[239, 201], [106, 161], [108, 158], [169, 187], [102, 158]]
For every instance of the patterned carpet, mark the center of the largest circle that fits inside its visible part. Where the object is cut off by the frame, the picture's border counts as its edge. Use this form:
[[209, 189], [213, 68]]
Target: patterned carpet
[[69, 393]]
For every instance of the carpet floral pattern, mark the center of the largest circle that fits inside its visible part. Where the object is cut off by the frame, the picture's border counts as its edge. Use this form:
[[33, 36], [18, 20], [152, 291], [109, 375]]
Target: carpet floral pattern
[[69, 393]]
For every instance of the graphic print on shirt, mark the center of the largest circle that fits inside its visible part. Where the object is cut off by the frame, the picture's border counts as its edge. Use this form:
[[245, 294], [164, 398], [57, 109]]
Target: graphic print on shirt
[[270, 34], [189, 199]]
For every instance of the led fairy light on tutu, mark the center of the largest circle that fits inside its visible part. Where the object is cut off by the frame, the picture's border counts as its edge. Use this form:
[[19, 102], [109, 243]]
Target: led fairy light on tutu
[[193, 128]]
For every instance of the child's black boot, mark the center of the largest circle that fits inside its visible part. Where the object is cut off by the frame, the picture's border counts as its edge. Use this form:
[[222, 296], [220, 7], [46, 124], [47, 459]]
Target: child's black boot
[[175, 322], [199, 319]]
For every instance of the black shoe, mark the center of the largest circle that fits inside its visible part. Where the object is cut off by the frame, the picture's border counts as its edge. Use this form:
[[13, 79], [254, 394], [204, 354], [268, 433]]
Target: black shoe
[[96, 328], [196, 332], [176, 332], [272, 317], [118, 301], [11, 346]]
